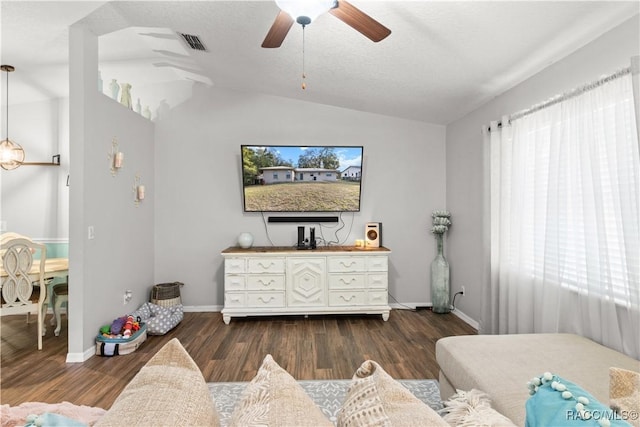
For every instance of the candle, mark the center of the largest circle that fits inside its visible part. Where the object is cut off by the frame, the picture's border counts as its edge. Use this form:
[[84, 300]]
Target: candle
[[140, 192], [118, 158]]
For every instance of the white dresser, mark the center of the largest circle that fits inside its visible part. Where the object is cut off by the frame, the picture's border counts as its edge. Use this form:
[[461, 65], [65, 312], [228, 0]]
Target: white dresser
[[269, 281]]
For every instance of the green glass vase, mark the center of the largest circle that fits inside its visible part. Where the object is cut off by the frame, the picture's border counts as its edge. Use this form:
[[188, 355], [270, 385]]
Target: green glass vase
[[440, 280]]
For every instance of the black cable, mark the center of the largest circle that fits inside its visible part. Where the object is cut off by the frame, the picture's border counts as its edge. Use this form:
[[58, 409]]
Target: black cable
[[453, 303], [398, 302]]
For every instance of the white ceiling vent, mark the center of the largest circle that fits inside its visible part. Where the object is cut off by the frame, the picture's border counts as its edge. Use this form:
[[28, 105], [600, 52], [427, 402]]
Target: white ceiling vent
[[193, 42]]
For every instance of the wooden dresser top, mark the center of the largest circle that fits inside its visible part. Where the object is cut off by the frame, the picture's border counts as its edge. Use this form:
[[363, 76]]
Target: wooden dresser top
[[292, 249]]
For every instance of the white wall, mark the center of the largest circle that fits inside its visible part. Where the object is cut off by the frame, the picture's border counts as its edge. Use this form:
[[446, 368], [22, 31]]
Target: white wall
[[466, 192], [34, 199], [198, 203]]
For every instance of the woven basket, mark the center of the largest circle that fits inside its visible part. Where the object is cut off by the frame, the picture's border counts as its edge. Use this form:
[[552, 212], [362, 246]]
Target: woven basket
[[166, 294]]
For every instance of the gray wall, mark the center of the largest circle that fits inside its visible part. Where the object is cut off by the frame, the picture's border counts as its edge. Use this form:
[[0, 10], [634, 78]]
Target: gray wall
[[199, 197], [466, 189], [121, 255], [34, 199]]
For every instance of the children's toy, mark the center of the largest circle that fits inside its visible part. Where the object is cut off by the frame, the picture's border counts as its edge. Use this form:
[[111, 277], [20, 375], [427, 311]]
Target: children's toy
[[117, 325], [128, 327], [114, 345]]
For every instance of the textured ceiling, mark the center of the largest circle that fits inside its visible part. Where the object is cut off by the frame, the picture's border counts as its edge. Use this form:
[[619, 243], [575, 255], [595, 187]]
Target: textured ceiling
[[442, 60]]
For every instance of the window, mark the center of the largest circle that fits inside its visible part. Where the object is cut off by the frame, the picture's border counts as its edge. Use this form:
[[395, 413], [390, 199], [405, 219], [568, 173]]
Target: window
[[570, 181]]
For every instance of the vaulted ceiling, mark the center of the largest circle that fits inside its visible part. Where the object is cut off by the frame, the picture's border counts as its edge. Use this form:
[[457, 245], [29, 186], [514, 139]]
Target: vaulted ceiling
[[442, 60]]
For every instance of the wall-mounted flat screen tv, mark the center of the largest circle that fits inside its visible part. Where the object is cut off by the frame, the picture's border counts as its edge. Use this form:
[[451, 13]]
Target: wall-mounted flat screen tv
[[284, 178]]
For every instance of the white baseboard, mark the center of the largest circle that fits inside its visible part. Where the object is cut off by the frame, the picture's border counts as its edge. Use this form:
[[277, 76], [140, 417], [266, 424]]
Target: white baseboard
[[412, 306], [468, 320], [202, 308], [81, 357]]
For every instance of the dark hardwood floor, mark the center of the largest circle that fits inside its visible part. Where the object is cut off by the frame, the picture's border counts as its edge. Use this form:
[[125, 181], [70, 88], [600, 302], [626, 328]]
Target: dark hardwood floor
[[318, 347]]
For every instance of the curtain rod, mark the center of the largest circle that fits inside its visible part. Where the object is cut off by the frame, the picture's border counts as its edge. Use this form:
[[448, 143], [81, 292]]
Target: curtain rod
[[567, 95]]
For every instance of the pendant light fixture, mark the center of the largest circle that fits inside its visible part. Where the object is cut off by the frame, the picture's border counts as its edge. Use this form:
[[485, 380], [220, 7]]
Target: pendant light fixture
[[11, 154]]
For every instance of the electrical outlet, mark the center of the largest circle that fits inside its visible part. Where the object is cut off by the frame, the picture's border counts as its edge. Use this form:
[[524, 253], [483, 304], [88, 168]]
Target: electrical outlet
[[128, 294], [463, 291], [91, 232]]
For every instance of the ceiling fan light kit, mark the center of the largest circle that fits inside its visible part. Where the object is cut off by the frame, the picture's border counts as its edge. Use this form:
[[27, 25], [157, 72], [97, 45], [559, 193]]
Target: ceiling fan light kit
[[305, 12]]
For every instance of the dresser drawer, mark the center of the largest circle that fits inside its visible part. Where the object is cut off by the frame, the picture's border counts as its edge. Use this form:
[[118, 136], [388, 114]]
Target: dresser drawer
[[346, 298], [265, 299], [235, 299], [233, 282], [346, 264], [377, 263], [265, 265], [377, 298], [375, 281], [265, 282], [234, 265], [346, 281]]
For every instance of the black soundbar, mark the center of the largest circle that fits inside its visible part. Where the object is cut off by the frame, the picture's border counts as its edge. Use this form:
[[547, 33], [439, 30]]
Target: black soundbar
[[303, 219]]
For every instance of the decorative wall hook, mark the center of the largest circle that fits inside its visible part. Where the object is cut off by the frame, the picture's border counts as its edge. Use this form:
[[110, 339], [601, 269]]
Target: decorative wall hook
[[116, 157]]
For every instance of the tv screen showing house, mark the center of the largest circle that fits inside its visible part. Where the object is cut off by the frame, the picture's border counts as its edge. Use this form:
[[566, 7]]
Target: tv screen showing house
[[286, 178]]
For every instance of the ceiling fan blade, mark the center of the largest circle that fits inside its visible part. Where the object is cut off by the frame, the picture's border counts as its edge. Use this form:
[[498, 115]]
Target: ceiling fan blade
[[360, 21], [278, 30]]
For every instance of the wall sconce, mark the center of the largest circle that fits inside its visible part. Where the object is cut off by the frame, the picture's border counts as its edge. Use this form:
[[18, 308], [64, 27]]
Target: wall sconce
[[116, 157], [138, 190]]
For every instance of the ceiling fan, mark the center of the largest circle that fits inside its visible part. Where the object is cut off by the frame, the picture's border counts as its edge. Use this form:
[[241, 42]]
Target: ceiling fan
[[305, 11]]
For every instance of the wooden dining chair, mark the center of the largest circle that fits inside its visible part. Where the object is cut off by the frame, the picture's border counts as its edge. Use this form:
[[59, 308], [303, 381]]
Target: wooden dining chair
[[59, 296], [22, 285]]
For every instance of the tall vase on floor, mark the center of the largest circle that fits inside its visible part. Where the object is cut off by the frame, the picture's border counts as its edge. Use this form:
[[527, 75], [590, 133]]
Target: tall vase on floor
[[440, 290]]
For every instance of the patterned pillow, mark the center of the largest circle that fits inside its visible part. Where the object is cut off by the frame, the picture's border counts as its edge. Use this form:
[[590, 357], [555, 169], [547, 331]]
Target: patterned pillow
[[376, 399], [274, 398], [159, 320], [168, 391], [624, 394]]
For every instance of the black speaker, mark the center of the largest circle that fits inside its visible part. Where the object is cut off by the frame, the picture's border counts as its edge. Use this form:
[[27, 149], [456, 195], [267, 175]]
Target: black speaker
[[312, 237], [373, 235], [301, 237]]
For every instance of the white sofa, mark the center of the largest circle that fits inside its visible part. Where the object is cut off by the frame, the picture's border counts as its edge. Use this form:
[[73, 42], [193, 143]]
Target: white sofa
[[501, 365]]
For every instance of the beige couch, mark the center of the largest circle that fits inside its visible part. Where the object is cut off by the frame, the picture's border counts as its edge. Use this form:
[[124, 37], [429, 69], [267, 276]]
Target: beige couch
[[501, 366]]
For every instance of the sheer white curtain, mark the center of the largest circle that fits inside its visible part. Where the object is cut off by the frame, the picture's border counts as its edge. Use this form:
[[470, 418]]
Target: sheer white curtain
[[565, 219]]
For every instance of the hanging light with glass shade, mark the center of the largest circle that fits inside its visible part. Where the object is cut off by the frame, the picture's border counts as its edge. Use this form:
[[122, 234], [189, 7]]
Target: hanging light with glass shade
[[11, 153]]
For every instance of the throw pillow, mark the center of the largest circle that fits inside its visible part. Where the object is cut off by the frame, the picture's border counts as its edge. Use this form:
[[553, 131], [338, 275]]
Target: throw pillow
[[376, 399], [473, 409], [159, 320], [168, 391], [274, 398], [558, 402], [624, 394]]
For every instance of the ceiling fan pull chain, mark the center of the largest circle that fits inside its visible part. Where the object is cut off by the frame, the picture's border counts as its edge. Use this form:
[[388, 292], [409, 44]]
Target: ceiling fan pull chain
[[304, 76]]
